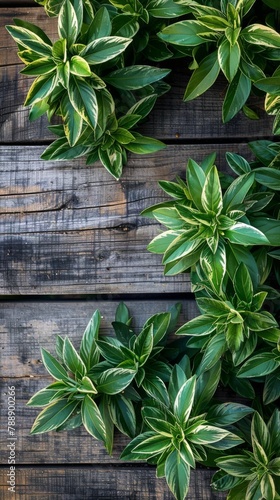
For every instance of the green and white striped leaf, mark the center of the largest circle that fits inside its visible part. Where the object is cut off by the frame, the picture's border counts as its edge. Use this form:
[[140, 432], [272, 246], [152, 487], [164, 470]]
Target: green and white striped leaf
[[53, 416]]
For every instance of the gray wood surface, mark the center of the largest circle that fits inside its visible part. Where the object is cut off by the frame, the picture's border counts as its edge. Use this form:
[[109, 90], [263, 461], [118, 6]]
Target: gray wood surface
[[96, 483], [70, 228], [28, 325]]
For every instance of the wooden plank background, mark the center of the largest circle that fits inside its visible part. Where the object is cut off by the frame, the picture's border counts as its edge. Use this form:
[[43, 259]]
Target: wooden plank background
[[72, 240]]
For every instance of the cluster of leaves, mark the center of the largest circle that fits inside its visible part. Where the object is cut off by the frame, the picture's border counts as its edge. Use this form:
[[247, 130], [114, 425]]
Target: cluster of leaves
[[91, 78], [149, 389], [227, 36], [114, 371], [253, 474], [223, 229], [214, 227], [95, 77]]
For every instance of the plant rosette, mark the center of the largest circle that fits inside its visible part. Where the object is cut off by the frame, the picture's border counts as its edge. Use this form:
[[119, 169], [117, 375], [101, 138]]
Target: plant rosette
[[223, 38], [213, 228], [85, 79]]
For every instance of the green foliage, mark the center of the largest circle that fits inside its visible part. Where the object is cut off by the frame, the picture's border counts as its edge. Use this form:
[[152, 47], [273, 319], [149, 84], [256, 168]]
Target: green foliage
[[223, 228], [98, 385], [177, 437], [106, 382], [253, 474], [230, 37], [237, 322], [212, 228], [90, 79]]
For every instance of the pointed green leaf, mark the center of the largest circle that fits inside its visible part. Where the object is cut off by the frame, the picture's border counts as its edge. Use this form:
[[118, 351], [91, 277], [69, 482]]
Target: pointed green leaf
[[144, 344], [135, 77], [112, 353], [227, 413], [41, 66], [196, 179], [203, 77], [152, 445], [207, 434], [243, 234], [243, 284], [72, 359], [214, 265], [123, 414], [79, 66], [115, 380], [53, 416], [155, 388], [211, 197], [185, 33], [44, 396], [87, 386], [105, 48], [92, 419], [73, 122], [184, 400], [177, 473], [262, 35], [56, 370], [229, 58], [236, 465], [83, 99], [201, 325], [68, 23], [41, 88], [88, 347], [144, 145], [237, 94], [259, 365], [213, 352], [34, 29], [271, 391], [100, 26]]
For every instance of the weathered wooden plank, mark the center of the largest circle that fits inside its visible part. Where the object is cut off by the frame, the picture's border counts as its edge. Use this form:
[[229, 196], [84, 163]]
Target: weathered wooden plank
[[69, 228], [25, 326], [172, 119], [123, 483]]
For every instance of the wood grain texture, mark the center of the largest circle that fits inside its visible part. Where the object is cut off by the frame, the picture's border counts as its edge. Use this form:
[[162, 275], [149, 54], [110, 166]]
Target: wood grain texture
[[171, 119], [70, 228], [26, 326], [97, 483]]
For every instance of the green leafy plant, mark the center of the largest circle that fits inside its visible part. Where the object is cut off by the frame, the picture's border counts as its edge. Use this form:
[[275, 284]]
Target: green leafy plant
[[253, 474], [145, 386], [177, 437], [221, 227], [235, 322], [228, 37], [210, 226], [104, 374], [85, 79]]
